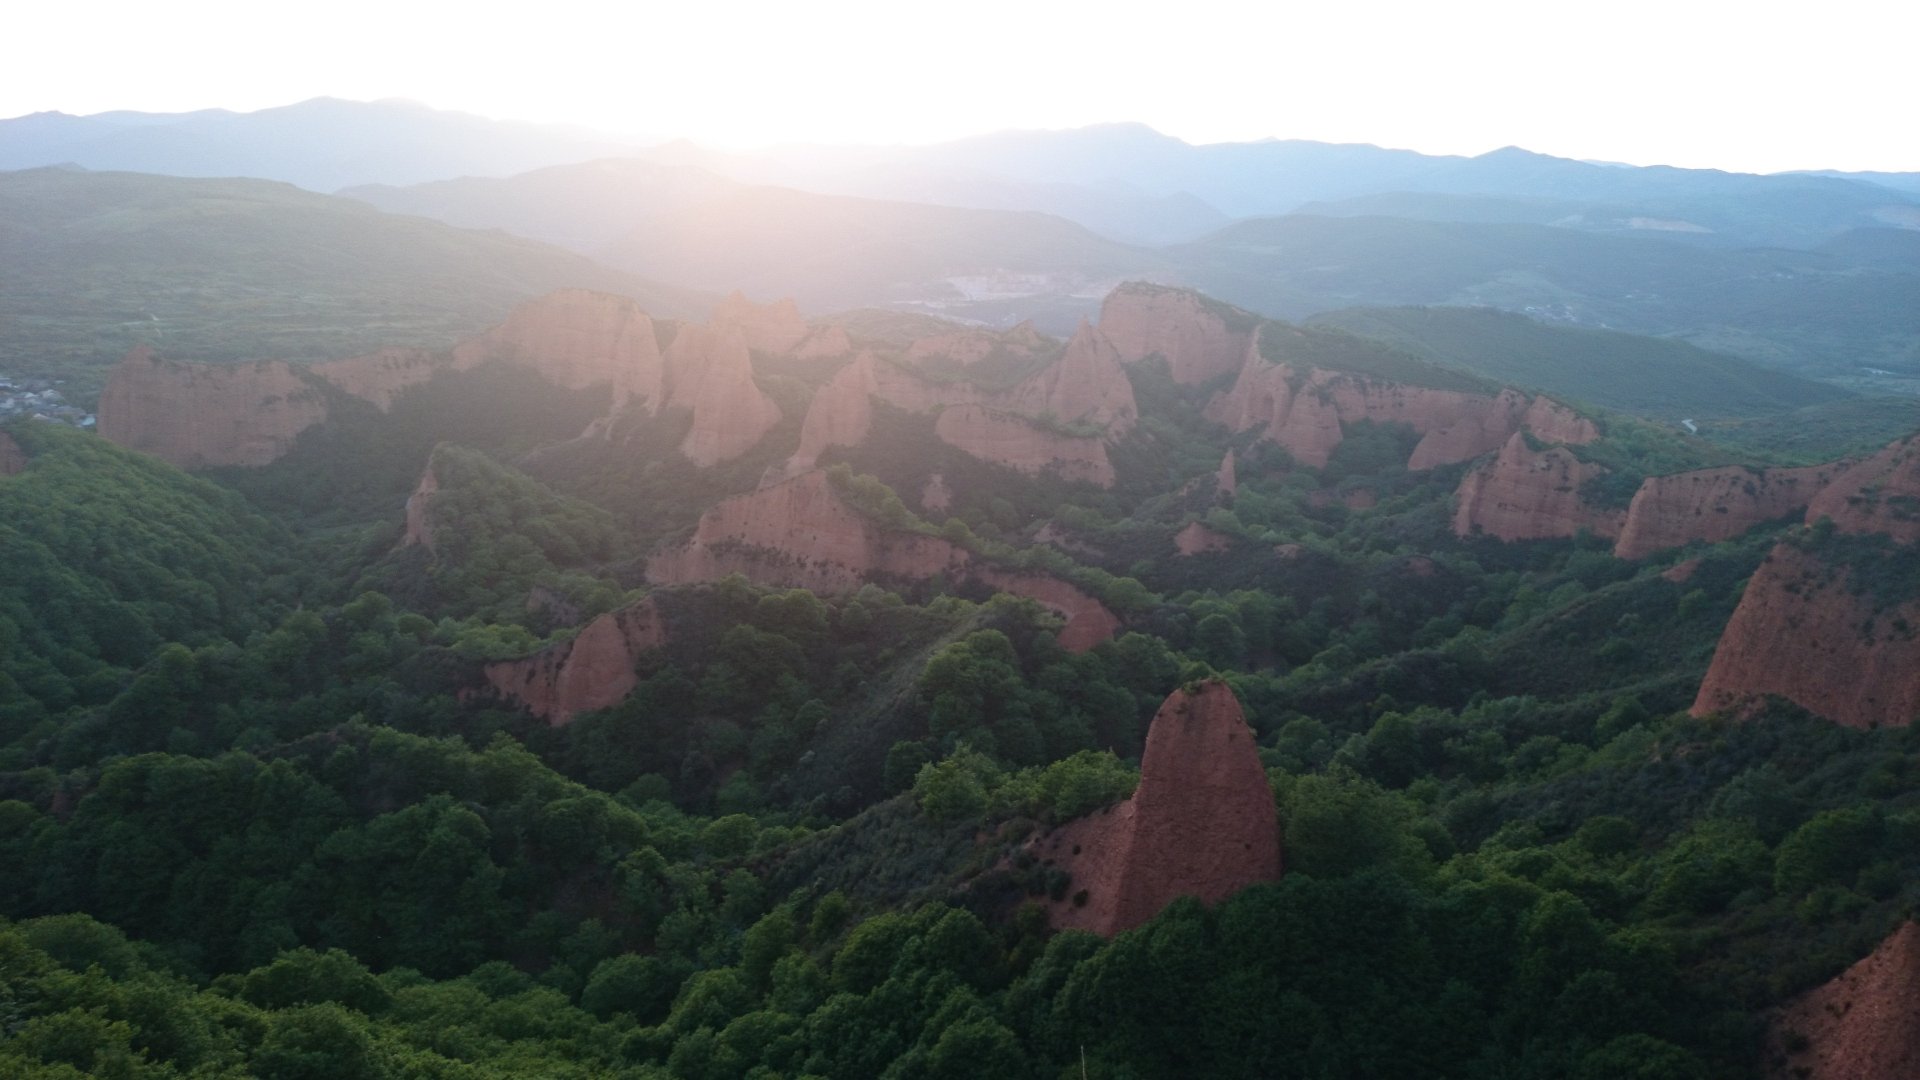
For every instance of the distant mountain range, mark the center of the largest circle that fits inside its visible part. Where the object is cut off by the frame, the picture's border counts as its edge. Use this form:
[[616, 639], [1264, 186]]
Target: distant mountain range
[[1124, 181]]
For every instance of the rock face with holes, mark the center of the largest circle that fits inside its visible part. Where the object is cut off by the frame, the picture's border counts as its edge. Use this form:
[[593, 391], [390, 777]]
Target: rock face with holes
[[1864, 1025], [1202, 822], [200, 416], [800, 533], [593, 671]]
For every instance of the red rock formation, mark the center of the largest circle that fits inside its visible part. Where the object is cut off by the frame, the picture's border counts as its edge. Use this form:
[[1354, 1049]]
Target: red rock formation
[[800, 533], [572, 338], [1801, 633], [199, 416], [1088, 621], [1303, 409], [1527, 494], [1201, 824], [1712, 505], [711, 373], [1226, 482], [1197, 539], [380, 376], [967, 347], [595, 670], [12, 459], [1087, 385], [1864, 1025], [1878, 494], [419, 526], [776, 328], [1149, 320], [1019, 444]]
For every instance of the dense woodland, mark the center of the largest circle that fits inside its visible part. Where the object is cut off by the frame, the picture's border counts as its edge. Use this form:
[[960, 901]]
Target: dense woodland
[[259, 820]]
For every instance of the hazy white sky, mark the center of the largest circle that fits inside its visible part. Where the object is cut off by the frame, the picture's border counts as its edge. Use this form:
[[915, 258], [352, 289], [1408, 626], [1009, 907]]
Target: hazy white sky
[[1755, 85]]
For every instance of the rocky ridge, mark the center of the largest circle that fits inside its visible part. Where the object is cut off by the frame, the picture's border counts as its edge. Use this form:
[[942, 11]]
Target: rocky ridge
[[594, 670], [1864, 1025], [199, 416], [800, 533], [1201, 823]]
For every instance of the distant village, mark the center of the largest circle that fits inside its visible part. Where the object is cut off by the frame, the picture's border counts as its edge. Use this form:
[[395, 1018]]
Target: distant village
[[40, 399]]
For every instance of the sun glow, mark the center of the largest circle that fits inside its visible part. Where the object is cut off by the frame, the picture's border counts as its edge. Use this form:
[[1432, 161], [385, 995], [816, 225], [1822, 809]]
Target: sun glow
[[1705, 84]]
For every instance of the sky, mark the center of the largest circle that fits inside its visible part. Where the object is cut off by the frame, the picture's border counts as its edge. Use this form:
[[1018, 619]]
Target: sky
[[1753, 86]]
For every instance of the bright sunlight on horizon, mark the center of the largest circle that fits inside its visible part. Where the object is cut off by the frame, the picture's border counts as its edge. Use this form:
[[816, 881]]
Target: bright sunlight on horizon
[[1735, 86]]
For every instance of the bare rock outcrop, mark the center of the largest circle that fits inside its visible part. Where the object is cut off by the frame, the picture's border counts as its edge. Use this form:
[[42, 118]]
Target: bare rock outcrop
[[595, 670], [1020, 444], [1202, 822], [1712, 505], [13, 460], [1802, 633], [1198, 539], [1304, 409], [1877, 494], [1528, 494], [1086, 386], [935, 496], [199, 416], [382, 375], [1864, 1025], [800, 533], [419, 524], [710, 372], [1226, 480], [776, 328], [1185, 328], [825, 343]]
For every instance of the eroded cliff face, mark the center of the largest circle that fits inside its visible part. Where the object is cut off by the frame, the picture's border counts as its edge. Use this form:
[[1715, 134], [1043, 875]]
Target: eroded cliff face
[[1528, 494], [1202, 822], [710, 372], [776, 328], [1877, 494], [12, 459], [1086, 386], [1226, 481], [1303, 409], [595, 670], [1020, 444], [419, 523], [1149, 320], [1802, 633], [381, 376], [799, 533], [1864, 1025], [1712, 505], [199, 416]]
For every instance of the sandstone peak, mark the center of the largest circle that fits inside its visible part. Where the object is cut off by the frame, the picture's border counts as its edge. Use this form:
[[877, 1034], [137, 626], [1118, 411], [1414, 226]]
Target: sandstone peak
[[1528, 494], [1087, 385], [1020, 444], [711, 373], [1801, 632], [776, 328], [1226, 481], [1864, 1025], [594, 670], [1184, 328], [577, 338], [1201, 823], [419, 524], [1877, 494]]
